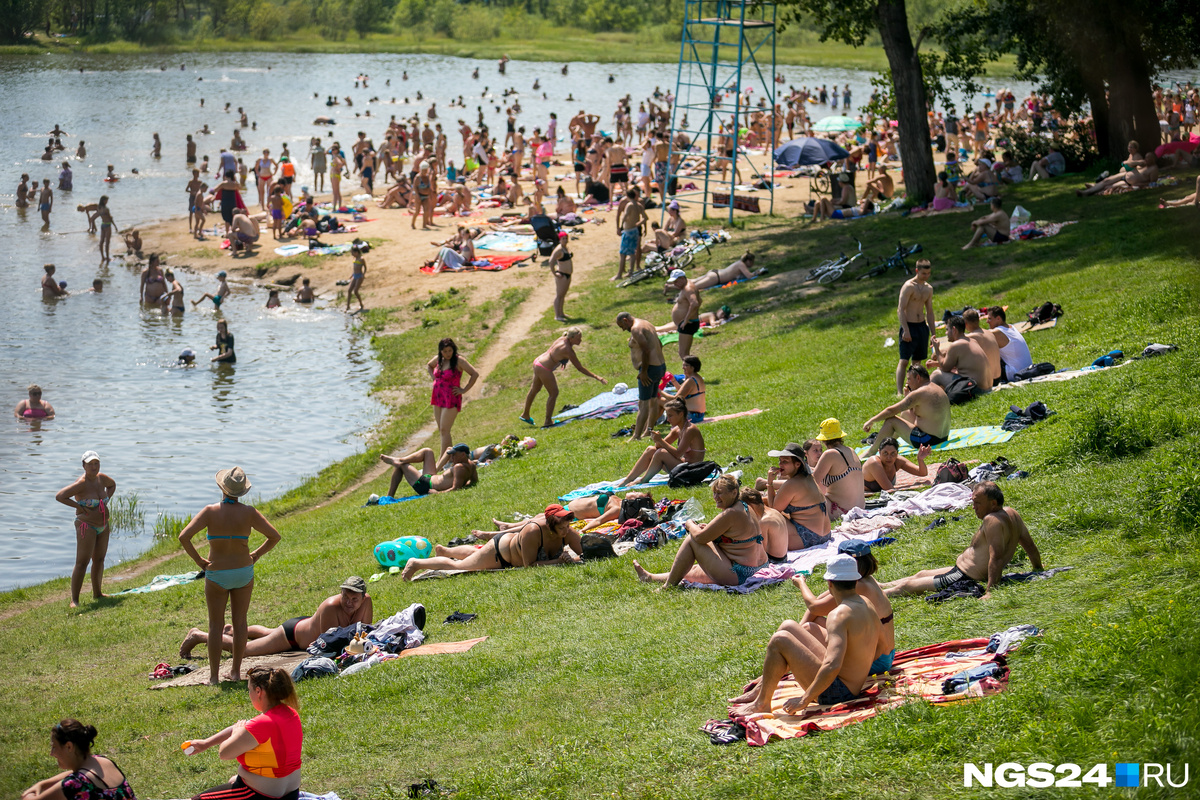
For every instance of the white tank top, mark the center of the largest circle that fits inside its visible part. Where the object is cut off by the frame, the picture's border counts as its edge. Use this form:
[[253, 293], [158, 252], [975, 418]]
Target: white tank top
[[1015, 354]]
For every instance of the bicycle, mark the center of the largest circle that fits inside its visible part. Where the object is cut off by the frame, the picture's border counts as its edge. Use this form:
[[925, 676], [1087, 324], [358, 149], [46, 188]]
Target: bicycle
[[658, 264], [896, 259], [829, 271]]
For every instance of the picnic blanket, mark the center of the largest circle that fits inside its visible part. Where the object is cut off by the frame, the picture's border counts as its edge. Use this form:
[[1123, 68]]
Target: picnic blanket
[[673, 336], [506, 242], [770, 575], [1025, 326], [485, 264], [161, 582], [1057, 377], [600, 404], [915, 675], [1039, 229], [958, 439]]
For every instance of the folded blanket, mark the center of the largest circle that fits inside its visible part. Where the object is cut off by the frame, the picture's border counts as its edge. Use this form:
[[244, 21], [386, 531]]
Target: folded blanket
[[767, 576], [915, 674], [959, 438], [161, 582]]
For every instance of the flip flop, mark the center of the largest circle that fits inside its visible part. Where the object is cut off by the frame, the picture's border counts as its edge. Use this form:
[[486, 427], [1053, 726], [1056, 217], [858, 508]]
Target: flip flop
[[527, 420]]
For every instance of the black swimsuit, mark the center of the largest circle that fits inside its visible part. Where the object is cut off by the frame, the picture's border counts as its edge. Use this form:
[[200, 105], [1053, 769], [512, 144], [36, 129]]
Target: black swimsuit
[[541, 554]]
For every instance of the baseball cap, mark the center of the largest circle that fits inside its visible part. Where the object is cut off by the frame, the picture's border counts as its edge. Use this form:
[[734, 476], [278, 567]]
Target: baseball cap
[[853, 547], [90, 455], [673, 205], [461, 448], [842, 568], [790, 450], [676, 274], [355, 584], [554, 510]]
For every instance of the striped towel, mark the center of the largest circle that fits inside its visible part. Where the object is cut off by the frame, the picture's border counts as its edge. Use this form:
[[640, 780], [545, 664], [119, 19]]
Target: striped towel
[[960, 438]]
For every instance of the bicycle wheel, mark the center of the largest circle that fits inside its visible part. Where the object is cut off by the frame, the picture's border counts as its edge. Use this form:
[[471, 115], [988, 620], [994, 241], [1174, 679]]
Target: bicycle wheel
[[820, 184], [640, 275], [873, 272], [830, 275], [815, 272], [683, 260]]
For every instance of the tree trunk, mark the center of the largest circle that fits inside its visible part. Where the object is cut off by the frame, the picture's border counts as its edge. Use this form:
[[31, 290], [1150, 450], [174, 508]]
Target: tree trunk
[[908, 84], [1091, 72], [1130, 98]]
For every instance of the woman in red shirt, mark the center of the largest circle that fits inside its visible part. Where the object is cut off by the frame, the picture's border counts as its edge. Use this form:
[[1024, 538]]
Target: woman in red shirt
[[267, 748]]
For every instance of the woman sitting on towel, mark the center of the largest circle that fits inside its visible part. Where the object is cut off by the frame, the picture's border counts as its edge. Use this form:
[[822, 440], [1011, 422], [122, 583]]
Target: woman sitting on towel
[[267, 748], [85, 776], [539, 541], [825, 209], [792, 491], [725, 551], [683, 445], [880, 470], [839, 471]]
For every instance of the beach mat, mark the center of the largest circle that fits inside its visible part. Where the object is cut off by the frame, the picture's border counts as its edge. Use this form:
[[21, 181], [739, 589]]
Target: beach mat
[[958, 439], [1029, 327], [770, 575], [915, 674], [505, 242], [161, 582], [496, 263], [1058, 377]]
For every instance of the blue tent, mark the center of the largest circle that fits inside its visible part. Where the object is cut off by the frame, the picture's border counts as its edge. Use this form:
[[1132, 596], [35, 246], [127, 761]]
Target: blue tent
[[808, 151]]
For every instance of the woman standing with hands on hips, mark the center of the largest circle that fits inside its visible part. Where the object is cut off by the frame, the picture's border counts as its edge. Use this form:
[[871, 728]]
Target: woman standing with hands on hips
[[89, 496], [229, 568], [446, 370]]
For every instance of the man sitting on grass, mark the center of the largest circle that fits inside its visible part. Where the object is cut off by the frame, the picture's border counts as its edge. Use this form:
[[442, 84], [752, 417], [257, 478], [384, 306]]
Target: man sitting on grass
[[831, 672], [433, 478], [962, 356], [922, 416], [991, 549], [994, 226], [296, 634]]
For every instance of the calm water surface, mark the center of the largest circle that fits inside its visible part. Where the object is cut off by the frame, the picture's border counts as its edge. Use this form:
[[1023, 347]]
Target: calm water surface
[[297, 398]]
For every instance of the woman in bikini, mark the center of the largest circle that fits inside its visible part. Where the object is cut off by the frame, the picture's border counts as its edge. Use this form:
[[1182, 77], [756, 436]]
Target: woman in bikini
[[561, 353], [683, 445], [90, 496], [229, 568], [425, 188], [337, 165], [792, 491], [446, 370], [540, 541], [839, 472], [85, 776], [561, 267], [725, 551], [690, 390], [742, 269], [881, 469], [34, 407]]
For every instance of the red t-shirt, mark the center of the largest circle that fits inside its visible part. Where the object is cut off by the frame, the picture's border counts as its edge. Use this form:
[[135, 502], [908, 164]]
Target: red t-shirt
[[280, 737]]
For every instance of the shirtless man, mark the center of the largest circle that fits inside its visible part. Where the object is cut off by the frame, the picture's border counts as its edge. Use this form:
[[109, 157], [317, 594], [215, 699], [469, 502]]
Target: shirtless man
[[50, 288], [686, 311], [882, 188], [832, 671], [46, 201], [922, 416], [915, 311], [454, 470], [631, 216], [645, 351], [985, 340], [191, 150], [296, 634], [991, 549], [743, 268], [962, 356], [993, 226], [245, 234], [195, 189], [616, 168]]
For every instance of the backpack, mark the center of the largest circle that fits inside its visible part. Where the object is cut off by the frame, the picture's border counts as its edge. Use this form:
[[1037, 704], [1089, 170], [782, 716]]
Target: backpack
[[1035, 371], [960, 389], [1045, 312], [596, 546], [692, 474], [952, 471], [632, 508]]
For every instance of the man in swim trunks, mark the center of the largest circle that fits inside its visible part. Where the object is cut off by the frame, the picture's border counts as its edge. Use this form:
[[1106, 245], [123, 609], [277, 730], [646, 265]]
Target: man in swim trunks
[[994, 226], [990, 551], [915, 311], [832, 672], [922, 416], [631, 216], [686, 311], [296, 634], [454, 470], [645, 351]]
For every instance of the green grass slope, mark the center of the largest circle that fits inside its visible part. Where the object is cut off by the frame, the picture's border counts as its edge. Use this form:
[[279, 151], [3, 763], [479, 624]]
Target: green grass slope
[[593, 685]]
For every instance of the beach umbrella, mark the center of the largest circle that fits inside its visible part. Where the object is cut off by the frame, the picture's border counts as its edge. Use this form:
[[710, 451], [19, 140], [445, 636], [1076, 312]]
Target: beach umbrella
[[837, 124], [808, 151]]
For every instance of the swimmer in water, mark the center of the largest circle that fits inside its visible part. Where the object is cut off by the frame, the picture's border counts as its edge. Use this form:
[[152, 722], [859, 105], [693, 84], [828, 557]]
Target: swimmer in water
[[305, 293], [222, 291], [273, 299], [187, 358], [34, 407]]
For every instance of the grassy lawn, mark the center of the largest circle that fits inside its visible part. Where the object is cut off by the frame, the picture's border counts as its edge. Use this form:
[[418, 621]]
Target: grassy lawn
[[593, 685]]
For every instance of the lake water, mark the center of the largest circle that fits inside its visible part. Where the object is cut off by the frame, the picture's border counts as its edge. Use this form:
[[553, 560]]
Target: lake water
[[297, 398]]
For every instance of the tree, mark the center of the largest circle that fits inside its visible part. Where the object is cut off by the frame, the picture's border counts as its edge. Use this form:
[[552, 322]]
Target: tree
[[18, 18], [852, 21]]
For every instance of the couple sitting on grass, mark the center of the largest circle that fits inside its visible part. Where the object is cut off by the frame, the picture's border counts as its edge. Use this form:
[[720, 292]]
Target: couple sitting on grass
[[833, 659]]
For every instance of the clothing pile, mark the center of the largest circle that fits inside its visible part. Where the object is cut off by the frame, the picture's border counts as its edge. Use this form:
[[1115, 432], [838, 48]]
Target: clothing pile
[[967, 587], [353, 648], [1018, 419]]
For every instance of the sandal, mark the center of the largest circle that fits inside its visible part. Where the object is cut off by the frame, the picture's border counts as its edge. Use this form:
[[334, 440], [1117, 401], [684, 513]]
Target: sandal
[[527, 420]]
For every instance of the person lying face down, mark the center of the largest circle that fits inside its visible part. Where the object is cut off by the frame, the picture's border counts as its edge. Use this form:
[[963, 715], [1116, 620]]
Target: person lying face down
[[539, 541], [597, 509]]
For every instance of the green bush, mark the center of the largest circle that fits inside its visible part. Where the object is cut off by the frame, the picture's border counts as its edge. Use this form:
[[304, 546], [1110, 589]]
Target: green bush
[[1171, 494], [1079, 151], [266, 22]]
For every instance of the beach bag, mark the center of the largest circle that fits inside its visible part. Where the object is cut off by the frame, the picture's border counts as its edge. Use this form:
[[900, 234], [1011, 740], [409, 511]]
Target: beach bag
[[1035, 371], [632, 508], [1046, 312], [596, 546], [692, 474], [952, 471], [960, 389]]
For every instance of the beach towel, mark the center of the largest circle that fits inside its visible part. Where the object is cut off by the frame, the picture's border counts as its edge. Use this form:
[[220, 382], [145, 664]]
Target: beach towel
[[505, 242], [596, 407], [1025, 326], [769, 575], [942, 497], [806, 560], [439, 649], [485, 264], [611, 487], [915, 675], [284, 661], [161, 582], [1058, 377], [1039, 229], [673, 336], [722, 417], [391, 501], [959, 438]]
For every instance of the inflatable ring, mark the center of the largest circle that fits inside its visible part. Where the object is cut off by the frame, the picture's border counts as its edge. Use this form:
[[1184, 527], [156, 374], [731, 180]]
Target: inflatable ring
[[397, 552]]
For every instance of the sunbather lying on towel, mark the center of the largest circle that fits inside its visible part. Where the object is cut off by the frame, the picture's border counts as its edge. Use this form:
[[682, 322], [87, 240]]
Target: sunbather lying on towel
[[707, 320], [742, 269], [454, 470], [539, 541], [991, 549], [351, 606], [1140, 178], [726, 551], [597, 509], [832, 671]]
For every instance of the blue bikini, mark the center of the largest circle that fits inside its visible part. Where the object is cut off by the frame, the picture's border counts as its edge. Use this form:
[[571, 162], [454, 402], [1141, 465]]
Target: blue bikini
[[230, 579], [808, 537]]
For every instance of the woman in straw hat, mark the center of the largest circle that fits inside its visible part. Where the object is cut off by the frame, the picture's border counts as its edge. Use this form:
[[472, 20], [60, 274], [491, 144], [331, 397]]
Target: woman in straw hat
[[229, 568]]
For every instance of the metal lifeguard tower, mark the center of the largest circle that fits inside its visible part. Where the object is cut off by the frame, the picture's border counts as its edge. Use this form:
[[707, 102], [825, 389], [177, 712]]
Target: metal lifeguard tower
[[727, 51]]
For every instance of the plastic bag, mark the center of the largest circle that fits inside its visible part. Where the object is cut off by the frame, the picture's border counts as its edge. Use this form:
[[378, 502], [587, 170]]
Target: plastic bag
[[691, 510], [1020, 216]]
